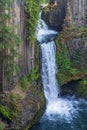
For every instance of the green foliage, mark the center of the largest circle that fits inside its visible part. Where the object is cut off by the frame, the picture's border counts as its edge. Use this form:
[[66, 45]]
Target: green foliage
[[9, 42], [44, 1], [14, 98], [71, 68], [61, 78], [32, 10], [10, 107], [73, 71], [27, 80], [34, 75], [81, 88], [78, 59], [9, 48], [9, 112], [24, 82], [38, 105], [74, 31], [63, 60], [5, 112]]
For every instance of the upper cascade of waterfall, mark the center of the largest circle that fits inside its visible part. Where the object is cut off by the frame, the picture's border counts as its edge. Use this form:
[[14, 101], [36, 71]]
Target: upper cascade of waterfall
[[41, 23], [44, 34]]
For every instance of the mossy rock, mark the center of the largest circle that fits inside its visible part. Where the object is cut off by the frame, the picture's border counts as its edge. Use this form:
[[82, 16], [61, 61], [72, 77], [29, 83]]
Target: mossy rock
[[77, 88], [22, 108]]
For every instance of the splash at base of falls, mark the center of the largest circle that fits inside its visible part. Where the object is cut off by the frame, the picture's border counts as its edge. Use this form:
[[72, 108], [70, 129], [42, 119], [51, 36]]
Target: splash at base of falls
[[67, 113], [67, 109]]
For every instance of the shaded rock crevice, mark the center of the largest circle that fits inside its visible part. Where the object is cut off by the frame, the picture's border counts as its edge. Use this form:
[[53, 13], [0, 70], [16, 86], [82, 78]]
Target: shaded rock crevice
[[56, 15]]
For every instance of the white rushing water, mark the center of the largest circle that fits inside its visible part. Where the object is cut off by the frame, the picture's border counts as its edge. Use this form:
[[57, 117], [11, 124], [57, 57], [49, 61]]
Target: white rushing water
[[49, 70], [44, 34], [57, 107]]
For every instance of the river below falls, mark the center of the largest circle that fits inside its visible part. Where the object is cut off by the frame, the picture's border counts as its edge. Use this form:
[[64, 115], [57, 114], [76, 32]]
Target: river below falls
[[77, 120]]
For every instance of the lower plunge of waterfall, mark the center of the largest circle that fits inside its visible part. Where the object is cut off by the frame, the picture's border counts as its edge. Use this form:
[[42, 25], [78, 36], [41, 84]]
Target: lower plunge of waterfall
[[62, 113]]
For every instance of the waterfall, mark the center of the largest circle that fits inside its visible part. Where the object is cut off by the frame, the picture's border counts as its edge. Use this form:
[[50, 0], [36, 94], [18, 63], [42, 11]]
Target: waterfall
[[62, 112], [49, 69], [56, 106], [44, 34]]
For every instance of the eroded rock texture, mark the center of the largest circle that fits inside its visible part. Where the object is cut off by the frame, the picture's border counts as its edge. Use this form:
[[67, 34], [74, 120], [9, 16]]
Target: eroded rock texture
[[76, 16], [56, 14], [18, 22], [77, 11]]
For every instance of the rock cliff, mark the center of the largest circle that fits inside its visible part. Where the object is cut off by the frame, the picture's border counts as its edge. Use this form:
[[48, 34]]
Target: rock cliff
[[18, 23], [56, 14], [76, 43], [20, 108], [76, 11], [76, 15]]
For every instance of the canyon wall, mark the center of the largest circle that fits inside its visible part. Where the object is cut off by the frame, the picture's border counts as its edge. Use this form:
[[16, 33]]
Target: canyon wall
[[77, 16], [72, 49], [27, 50], [76, 12], [56, 14], [19, 22]]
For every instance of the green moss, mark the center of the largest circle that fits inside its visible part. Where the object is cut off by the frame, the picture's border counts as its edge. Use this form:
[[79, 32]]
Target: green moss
[[32, 10], [44, 1], [77, 88], [14, 98], [9, 107], [38, 106], [81, 89], [74, 31], [24, 84], [26, 80], [63, 60], [7, 113], [34, 75]]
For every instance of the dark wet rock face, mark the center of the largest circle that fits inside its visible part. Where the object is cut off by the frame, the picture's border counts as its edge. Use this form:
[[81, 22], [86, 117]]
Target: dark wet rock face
[[77, 88], [55, 17]]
